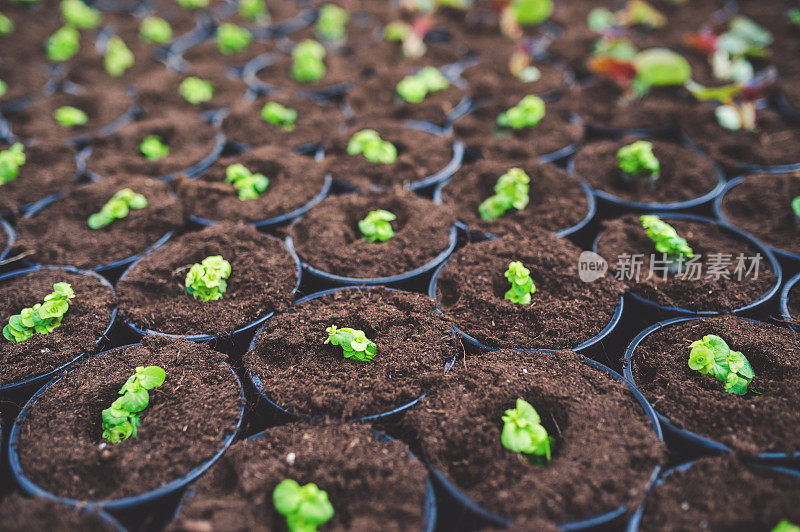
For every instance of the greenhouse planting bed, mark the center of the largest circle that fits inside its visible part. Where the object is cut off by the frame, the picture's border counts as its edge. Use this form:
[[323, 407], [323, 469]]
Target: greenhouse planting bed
[[437, 265]]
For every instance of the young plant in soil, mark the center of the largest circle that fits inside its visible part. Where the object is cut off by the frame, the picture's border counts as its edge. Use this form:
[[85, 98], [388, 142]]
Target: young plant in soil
[[248, 184], [638, 163], [10, 161], [232, 38], [77, 14], [737, 109], [638, 72], [369, 143], [517, 13], [153, 148], [117, 208], [522, 286], [415, 88], [795, 209], [635, 13], [411, 36], [208, 279], [666, 239], [376, 226], [526, 114], [786, 526], [118, 57], [194, 4], [254, 11], [155, 30], [511, 192], [6, 27], [307, 62], [331, 23], [42, 318], [279, 115], [354, 343], [712, 356], [523, 433], [195, 90], [63, 44], [68, 116], [305, 507], [121, 420]]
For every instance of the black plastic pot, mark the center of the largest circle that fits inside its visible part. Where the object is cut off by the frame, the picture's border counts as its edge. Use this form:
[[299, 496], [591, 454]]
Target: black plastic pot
[[284, 414], [636, 518], [748, 168], [783, 105], [607, 519], [10, 235], [751, 308], [25, 387], [692, 438], [125, 503], [787, 317]]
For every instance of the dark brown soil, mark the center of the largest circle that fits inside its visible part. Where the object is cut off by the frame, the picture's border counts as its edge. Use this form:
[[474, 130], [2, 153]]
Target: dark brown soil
[[187, 419], [66, 238], [762, 498], [557, 201], [626, 236], [207, 54], [775, 141], [375, 54], [604, 450], [492, 77], [315, 121], [762, 206], [685, 174], [293, 180], [791, 91], [18, 514], [47, 170], [372, 485], [87, 319], [564, 313], [153, 294], [21, 81], [308, 378], [763, 420], [328, 237], [189, 140], [419, 155]]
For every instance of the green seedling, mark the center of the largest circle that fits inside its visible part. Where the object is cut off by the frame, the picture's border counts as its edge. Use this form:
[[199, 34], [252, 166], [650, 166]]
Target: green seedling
[[308, 65], [195, 90], [354, 343], [665, 237], [635, 13], [208, 280], [10, 161], [523, 433], [638, 162], [69, 116], [795, 208], [510, 192], [248, 184], [6, 25], [42, 318], [522, 286], [153, 148], [527, 113], [77, 14], [117, 208], [118, 57], [712, 356], [3, 88], [305, 507], [410, 35], [368, 142], [794, 17], [232, 38], [278, 115], [63, 44], [786, 526], [415, 88], [531, 12], [155, 30], [376, 226], [194, 4], [254, 11], [659, 67], [332, 22], [122, 420]]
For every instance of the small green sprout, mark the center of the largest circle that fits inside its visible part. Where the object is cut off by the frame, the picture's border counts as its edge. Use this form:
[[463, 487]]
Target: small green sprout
[[77, 14], [795, 206], [524, 433], [531, 12], [786, 526], [410, 36], [3, 88], [249, 185], [659, 67], [254, 11], [522, 286], [665, 237], [332, 22], [376, 226], [155, 30], [195, 90], [120, 422], [232, 38], [307, 61], [118, 58], [369, 143], [416, 87], [511, 191], [63, 44], [354, 343], [153, 148], [638, 162], [42, 318], [207, 280], [10, 161], [527, 113], [305, 507], [194, 4], [278, 115], [117, 208], [69, 116], [712, 356], [794, 18], [6, 25]]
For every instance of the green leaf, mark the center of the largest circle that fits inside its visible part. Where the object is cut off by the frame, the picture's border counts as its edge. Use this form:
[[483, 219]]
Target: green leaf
[[659, 67], [531, 12], [232, 38], [287, 497], [118, 57], [133, 401], [151, 376], [155, 30], [195, 90], [63, 44]]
